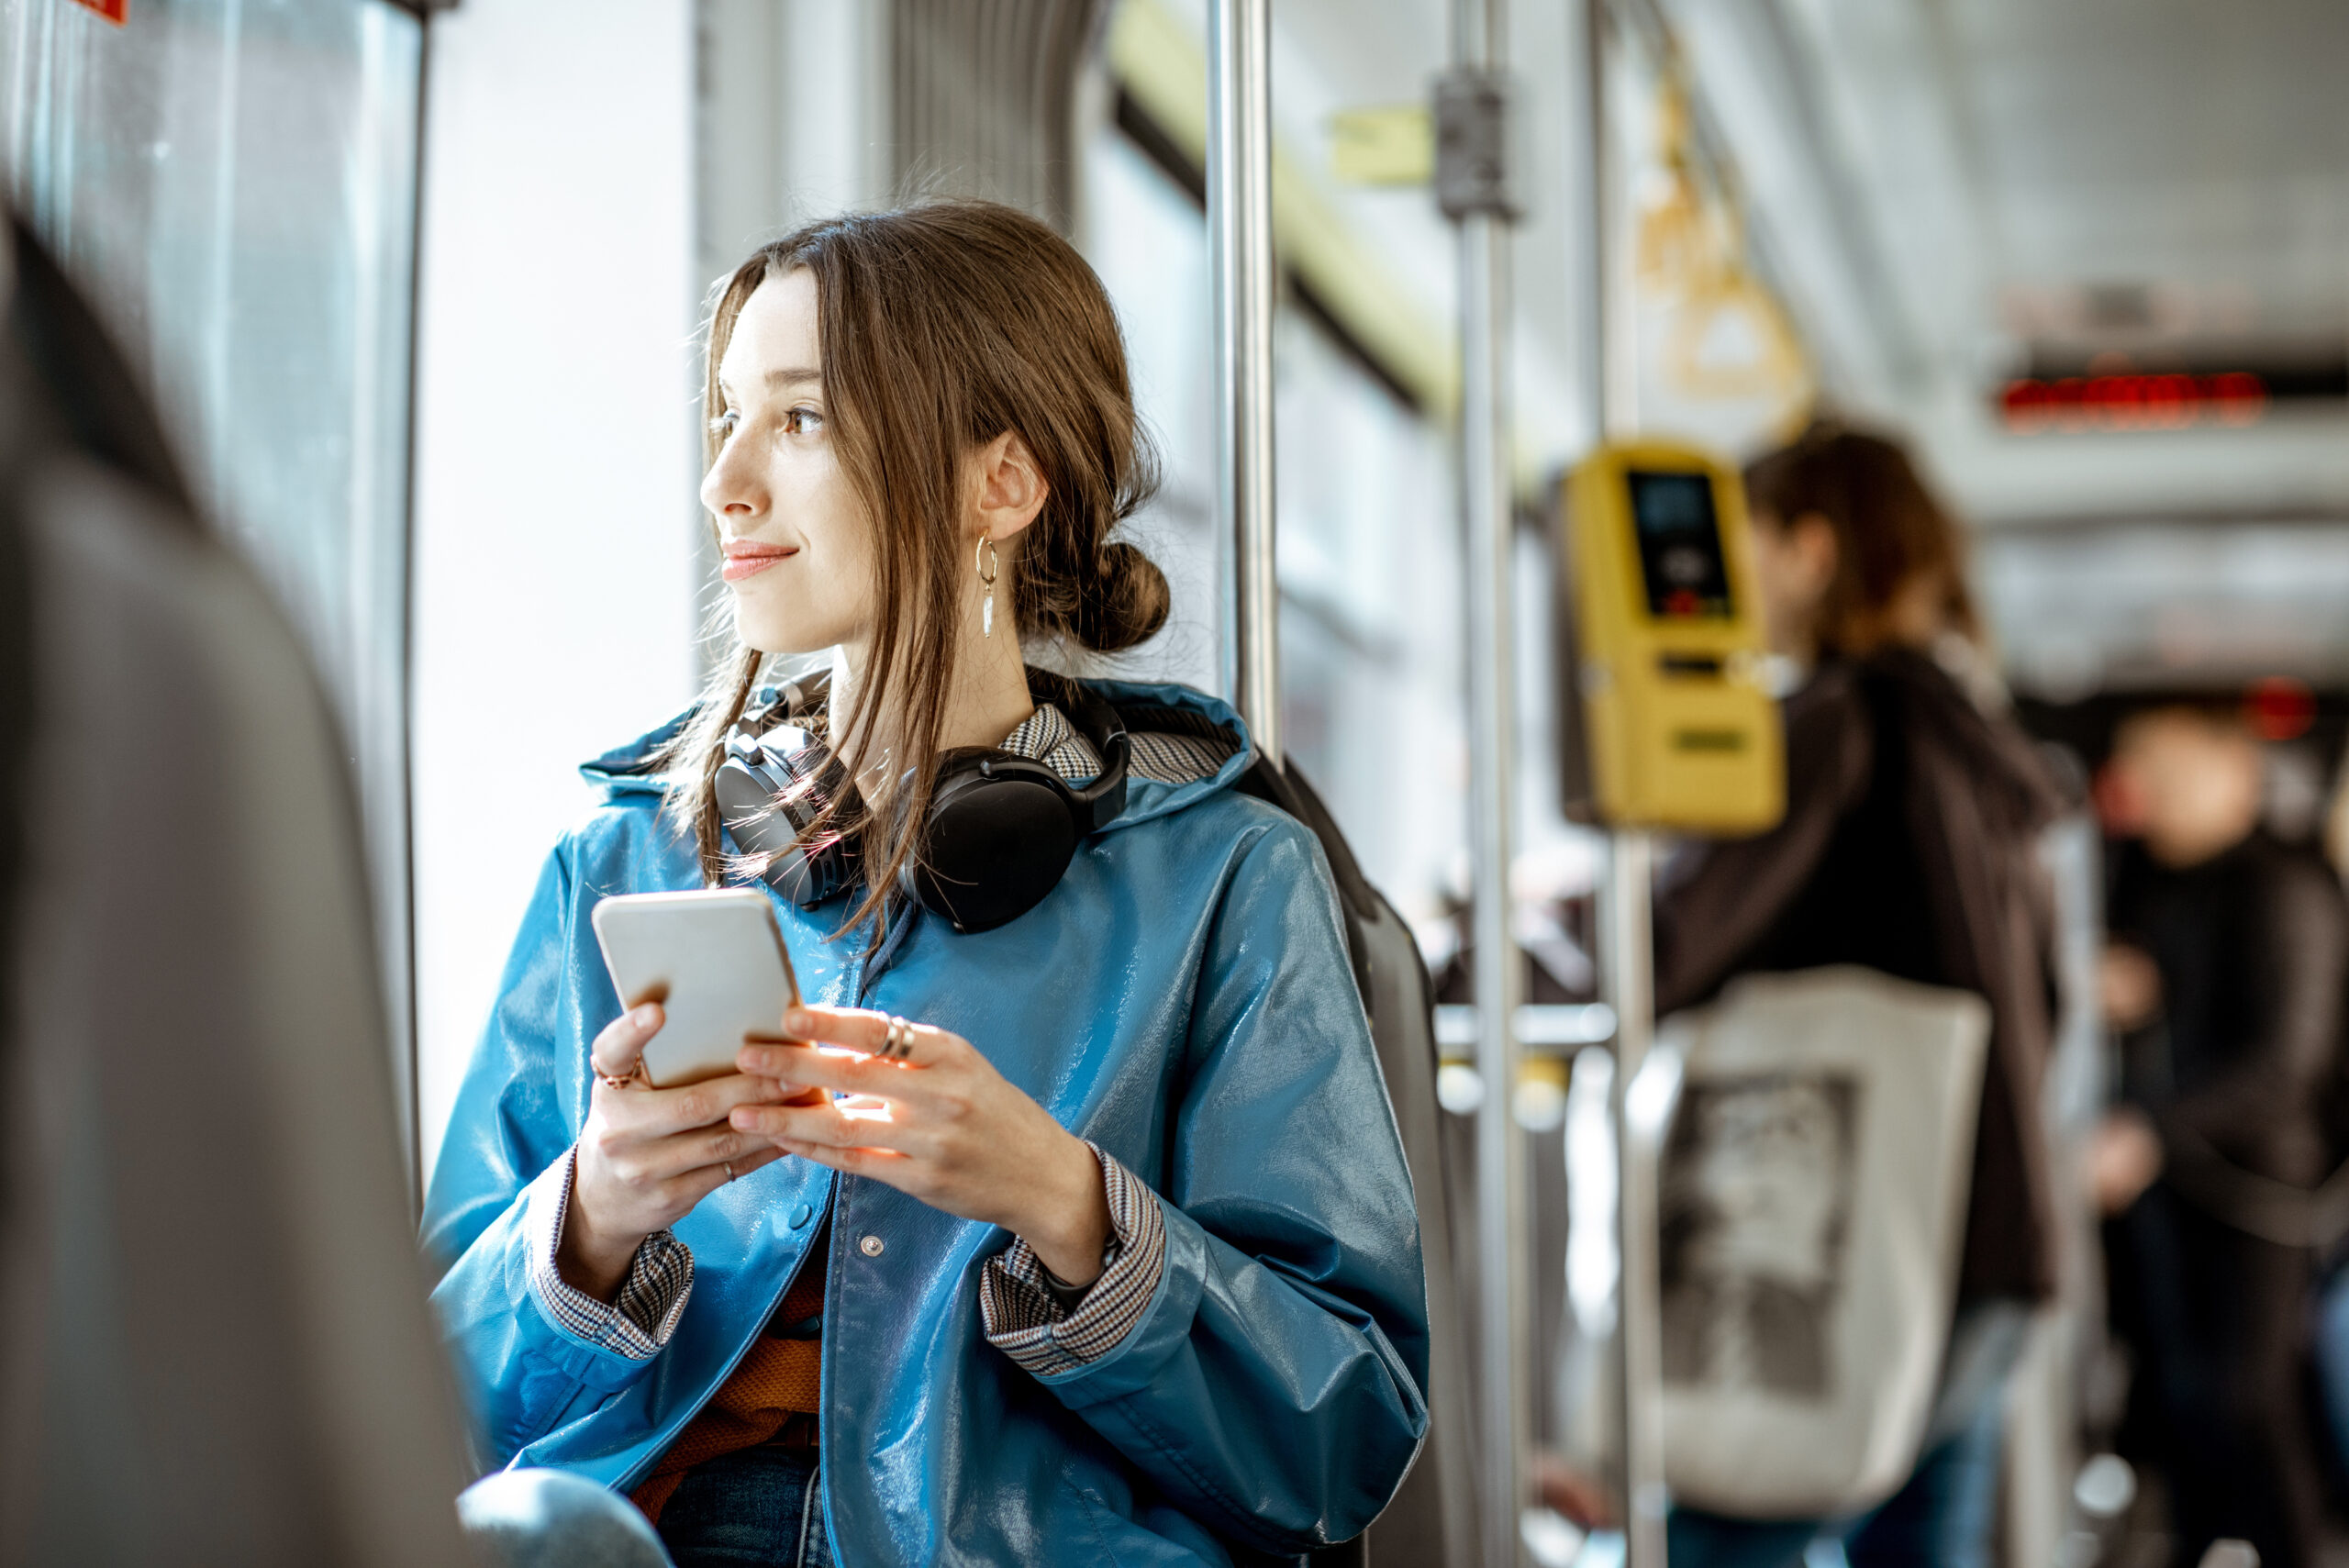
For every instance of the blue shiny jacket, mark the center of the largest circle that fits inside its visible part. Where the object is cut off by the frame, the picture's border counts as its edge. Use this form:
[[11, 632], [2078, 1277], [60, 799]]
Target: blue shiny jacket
[[1183, 999]]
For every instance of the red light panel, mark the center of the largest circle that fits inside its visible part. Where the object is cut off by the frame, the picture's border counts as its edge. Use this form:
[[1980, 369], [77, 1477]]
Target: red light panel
[[2174, 402], [2279, 709]]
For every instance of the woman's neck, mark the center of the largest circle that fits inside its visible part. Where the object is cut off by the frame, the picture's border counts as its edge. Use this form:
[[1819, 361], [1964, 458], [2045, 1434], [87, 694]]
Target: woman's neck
[[988, 701]]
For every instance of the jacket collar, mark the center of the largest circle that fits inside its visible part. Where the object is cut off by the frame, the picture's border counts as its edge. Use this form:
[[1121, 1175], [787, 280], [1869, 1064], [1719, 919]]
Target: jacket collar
[[628, 769]]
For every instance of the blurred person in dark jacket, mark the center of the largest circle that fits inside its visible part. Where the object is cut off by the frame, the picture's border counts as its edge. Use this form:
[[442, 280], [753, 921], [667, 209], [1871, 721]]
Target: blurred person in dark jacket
[[2224, 982], [1914, 807]]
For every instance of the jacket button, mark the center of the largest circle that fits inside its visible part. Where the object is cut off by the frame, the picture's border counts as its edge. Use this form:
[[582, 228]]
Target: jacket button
[[870, 1246], [800, 1214]]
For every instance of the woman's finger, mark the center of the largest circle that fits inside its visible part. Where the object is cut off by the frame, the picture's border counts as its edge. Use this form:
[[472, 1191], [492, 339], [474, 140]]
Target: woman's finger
[[881, 1164], [825, 1126], [658, 1113], [713, 1146], [699, 1183], [622, 1044], [862, 1030], [806, 1067]]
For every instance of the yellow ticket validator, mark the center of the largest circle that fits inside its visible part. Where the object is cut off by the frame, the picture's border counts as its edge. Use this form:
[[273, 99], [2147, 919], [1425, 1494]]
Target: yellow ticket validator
[[1680, 730]]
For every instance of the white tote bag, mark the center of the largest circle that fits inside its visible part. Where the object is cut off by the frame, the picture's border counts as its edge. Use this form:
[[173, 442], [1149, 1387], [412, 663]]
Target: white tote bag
[[1811, 1201]]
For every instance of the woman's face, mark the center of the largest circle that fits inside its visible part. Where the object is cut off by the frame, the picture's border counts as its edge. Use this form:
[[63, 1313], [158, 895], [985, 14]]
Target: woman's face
[[798, 547], [1793, 565]]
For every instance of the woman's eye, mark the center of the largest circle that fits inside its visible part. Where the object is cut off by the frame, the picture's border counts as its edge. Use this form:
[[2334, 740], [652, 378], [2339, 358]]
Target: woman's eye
[[802, 422], [723, 426]]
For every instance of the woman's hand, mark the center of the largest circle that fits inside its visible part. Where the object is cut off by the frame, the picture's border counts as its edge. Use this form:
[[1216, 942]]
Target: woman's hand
[[2129, 987], [2123, 1158], [648, 1155], [1573, 1492], [938, 1123]]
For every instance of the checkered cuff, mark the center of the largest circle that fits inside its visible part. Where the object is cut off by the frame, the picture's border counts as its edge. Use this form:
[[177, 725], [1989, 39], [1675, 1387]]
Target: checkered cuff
[[1026, 1321], [651, 1298]]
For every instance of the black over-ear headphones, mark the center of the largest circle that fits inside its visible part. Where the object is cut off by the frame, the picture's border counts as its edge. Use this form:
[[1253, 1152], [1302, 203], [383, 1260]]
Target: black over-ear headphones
[[999, 832]]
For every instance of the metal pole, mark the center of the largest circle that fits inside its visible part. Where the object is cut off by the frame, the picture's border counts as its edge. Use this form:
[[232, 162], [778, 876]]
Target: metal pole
[[1629, 980], [1240, 225], [1473, 187], [1626, 920], [1509, 1374], [1610, 363], [1614, 342]]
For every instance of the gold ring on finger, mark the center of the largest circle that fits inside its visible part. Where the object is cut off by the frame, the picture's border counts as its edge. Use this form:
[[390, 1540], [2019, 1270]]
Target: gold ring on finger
[[901, 1040]]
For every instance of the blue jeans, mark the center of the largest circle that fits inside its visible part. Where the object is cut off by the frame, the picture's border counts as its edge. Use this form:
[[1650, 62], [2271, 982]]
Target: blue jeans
[[1942, 1516], [761, 1506]]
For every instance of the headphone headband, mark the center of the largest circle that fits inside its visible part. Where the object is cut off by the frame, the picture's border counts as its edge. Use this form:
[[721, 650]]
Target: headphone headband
[[999, 832], [1104, 800]]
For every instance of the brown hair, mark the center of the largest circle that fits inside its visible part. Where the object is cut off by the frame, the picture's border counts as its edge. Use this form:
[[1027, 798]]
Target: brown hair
[[1888, 527], [942, 327]]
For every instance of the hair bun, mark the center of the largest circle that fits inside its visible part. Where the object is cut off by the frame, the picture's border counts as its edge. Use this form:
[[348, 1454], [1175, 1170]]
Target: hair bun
[[1130, 605]]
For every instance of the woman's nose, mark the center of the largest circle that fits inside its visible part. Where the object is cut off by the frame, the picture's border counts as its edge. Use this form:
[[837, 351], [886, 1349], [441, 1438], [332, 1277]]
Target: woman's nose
[[730, 490]]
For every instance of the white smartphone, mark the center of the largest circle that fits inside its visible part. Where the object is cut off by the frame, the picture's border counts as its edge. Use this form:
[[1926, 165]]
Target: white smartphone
[[714, 960]]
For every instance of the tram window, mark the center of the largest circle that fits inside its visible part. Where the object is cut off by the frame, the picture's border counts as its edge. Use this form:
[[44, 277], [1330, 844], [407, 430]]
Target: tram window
[[235, 185], [1680, 546], [252, 244], [1371, 562]]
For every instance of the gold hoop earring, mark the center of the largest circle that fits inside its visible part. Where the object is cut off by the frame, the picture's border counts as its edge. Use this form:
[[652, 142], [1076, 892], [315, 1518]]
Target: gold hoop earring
[[986, 567]]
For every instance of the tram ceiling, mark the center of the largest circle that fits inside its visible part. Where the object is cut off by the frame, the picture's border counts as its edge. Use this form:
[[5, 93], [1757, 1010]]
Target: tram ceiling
[[2005, 186], [2168, 602]]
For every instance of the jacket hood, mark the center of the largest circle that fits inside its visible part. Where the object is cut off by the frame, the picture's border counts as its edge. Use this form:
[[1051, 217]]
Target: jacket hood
[[629, 770]]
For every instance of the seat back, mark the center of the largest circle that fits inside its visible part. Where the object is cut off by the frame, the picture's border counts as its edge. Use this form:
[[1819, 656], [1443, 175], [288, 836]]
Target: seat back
[[1432, 1518], [217, 1346]]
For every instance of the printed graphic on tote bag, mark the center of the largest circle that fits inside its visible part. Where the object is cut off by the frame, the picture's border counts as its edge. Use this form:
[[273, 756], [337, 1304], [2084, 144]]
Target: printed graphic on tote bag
[[1755, 1200]]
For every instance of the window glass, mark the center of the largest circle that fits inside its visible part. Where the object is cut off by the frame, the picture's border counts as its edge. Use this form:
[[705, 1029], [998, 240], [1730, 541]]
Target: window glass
[[1371, 554], [234, 183]]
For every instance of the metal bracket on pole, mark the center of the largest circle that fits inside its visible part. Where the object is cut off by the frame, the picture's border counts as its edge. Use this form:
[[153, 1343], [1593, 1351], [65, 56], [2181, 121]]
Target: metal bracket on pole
[[1240, 225], [1472, 130]]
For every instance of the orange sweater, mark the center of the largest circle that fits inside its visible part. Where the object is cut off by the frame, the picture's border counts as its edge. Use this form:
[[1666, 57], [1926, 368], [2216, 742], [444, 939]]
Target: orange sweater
[[777, 1379]]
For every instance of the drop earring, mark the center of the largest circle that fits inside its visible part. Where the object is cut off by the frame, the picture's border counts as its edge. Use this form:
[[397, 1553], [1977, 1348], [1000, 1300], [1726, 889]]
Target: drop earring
[[984, 558]]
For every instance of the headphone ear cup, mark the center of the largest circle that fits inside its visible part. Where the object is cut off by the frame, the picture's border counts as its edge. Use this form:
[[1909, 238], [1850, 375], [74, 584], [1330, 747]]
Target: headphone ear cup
[[998, 837], [807, 874], [754, 799]]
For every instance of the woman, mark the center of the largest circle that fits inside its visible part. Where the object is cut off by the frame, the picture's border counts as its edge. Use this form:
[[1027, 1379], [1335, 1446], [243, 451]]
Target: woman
[[1111, 1256], [1913, 812]]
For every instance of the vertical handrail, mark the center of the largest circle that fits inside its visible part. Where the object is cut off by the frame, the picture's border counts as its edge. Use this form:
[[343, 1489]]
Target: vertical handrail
[[1629, 980], [1614, 341], [408, 1034], [1626, 915], [1610, 359], [1239, 228], [1477, 101]]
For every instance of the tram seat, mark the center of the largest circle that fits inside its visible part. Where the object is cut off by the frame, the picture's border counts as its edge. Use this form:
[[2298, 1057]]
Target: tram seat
[[217, 1347], [1433, 1519]]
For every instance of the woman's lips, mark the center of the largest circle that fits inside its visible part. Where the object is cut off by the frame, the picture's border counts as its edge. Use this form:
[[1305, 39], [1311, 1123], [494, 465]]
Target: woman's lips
[[750, 560]]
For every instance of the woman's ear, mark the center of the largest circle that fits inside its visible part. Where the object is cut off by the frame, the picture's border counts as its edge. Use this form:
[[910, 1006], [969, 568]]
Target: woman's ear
[[1011, 487]]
